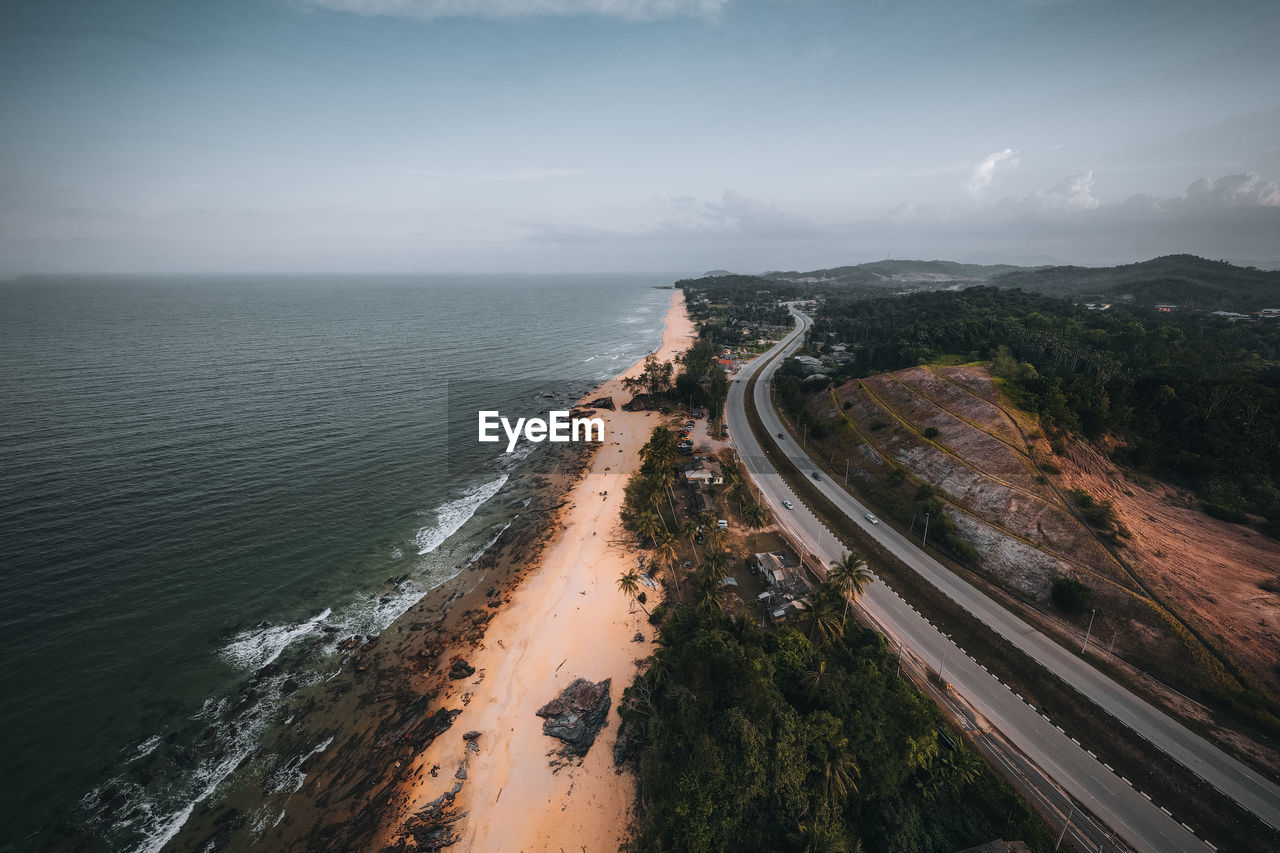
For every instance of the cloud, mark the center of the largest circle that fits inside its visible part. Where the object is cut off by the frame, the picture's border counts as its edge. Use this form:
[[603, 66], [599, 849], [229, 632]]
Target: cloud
[[981, 175], [633, 10], [734, 216], [1072, 193], [1242, 190]]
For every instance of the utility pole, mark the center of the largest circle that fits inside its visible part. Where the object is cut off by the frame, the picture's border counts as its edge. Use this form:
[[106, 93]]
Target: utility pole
[[925, 537], [1090, 631], [942, 658], [804, 435], [1111, 644], [846, 472], [1064, 826]]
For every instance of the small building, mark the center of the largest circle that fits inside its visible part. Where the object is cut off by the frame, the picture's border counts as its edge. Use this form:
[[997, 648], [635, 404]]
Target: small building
[[780, 571], [809, 364], [1165, 307], [708, 472]]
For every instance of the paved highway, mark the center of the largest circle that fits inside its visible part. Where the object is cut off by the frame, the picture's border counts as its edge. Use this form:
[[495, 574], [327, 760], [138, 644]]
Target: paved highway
[[1128, 813]]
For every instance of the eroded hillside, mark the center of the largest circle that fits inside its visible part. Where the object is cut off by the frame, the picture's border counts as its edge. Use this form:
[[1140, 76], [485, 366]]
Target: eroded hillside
[[1187, 597]]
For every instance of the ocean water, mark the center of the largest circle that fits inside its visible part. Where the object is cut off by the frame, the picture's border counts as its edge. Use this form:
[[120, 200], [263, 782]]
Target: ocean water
[[201, 476]]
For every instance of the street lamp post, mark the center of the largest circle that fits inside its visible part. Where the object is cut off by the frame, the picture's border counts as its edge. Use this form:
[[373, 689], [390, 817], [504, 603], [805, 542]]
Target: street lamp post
[[925, 537], [1064, 826], [1090, 631]]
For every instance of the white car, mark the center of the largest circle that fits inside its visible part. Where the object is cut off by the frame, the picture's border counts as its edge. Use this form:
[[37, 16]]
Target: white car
[[871, 518], [787, 504]]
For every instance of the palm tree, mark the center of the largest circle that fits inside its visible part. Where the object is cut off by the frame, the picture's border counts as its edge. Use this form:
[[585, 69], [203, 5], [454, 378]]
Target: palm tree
[[666, 554], [629, 583], [837, 772], [647, 524], [824, 618], [715, 567], [716, 537], [689, 529], [666, 478], [754, 516], [814, 677], [653, 497], [708, 603], [851, 576]]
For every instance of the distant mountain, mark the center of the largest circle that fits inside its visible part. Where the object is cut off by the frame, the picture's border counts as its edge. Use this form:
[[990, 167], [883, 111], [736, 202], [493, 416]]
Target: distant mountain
[[899, 274], [1184, 280]]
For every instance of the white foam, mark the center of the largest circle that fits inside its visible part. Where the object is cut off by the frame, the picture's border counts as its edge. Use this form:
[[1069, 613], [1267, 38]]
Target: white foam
[[451, 516], [145, 748], [257, 647], [291, 776]]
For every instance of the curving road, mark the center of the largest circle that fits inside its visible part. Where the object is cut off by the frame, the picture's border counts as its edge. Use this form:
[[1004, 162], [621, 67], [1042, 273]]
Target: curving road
[[1129, 814]]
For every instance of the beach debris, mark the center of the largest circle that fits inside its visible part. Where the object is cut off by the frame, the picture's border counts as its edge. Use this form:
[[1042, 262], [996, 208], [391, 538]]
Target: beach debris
[[638, 638], [460, 669], [577, 715], [471, 735]]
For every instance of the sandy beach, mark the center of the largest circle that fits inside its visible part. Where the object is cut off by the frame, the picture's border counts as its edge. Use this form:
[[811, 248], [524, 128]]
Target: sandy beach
[[566, 619]]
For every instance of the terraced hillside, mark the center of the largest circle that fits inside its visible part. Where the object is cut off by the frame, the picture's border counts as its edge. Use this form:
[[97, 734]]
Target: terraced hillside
[[1191, 599]]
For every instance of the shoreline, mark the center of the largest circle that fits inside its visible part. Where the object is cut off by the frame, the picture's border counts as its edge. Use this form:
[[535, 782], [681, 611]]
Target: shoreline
[[566, 619], [392, 704]]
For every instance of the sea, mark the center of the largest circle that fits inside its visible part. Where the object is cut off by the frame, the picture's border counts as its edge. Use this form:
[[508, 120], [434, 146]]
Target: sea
[[202, 477]]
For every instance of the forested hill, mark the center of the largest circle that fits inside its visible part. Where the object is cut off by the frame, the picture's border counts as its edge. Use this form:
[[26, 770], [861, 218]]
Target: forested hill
[[896, 274], [1186, 281], [1183, 280]]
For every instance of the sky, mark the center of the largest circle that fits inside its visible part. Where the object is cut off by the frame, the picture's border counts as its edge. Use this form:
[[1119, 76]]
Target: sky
[[159, 136]]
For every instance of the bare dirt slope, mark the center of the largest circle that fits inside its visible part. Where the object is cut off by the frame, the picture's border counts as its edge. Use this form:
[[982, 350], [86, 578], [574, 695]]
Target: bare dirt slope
[[1179, 593]]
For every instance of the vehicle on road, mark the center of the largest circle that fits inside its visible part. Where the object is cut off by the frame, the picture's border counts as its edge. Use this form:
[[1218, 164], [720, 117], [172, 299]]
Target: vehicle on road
[[787, 504], [816, 476], [871, 518], [782, 435]]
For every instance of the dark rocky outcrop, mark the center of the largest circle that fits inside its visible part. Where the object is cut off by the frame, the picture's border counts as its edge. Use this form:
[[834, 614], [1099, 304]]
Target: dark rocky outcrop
[[643, 403], [577, 715], [461, 669], [602, 403]]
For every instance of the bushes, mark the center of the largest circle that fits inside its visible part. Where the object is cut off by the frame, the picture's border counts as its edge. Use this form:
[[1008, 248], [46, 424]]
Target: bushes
[[1226, 513], [1071, 596]]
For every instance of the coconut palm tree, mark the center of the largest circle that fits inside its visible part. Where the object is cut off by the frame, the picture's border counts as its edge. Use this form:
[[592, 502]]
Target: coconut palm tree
[[708, 603], [824, 618], [754, 515], [652, 498], [813, 679], [851, 576], [666, 554], [715, 567], [629, 584], [837, 773], [689, 530], [647, 524]]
